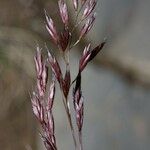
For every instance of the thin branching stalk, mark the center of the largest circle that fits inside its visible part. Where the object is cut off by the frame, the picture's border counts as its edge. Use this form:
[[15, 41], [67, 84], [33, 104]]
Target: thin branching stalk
[[68, 113]]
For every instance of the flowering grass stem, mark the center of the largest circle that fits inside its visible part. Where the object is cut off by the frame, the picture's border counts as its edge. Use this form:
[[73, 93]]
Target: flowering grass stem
[[42, 98]]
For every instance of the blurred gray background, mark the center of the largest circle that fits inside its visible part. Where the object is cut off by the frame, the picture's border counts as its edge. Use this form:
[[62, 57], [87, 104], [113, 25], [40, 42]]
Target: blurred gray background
[[116, 85]]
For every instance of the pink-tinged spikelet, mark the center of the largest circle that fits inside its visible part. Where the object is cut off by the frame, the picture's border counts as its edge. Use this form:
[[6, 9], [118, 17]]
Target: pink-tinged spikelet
[[90, 6], [75, 4], [51, 28], [87, 26], [63, 12]]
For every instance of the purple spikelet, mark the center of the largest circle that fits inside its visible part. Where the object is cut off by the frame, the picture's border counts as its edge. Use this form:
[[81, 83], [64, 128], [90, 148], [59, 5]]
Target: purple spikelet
[[78, 102], [51, 28], [75, 4], [64, 39], [87, 26], [63, 12], [41, 71], [90, 6], [55, 67]]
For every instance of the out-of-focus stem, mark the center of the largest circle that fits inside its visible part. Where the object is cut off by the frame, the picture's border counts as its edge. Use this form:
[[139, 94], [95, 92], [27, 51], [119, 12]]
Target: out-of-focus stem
[[80, 140]]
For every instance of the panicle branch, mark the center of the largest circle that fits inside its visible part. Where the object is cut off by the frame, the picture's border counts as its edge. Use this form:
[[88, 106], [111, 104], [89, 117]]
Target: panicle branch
[[42, 104]]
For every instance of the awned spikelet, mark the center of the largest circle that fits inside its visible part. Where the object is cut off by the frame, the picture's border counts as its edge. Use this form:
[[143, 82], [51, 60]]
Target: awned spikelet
[[87, 26], [66, 82], [51, 28], [55, 67], [63, 12], [42, 72], [64, 39], [90, 6], [78, 102], [89, 54], [75, 4]]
